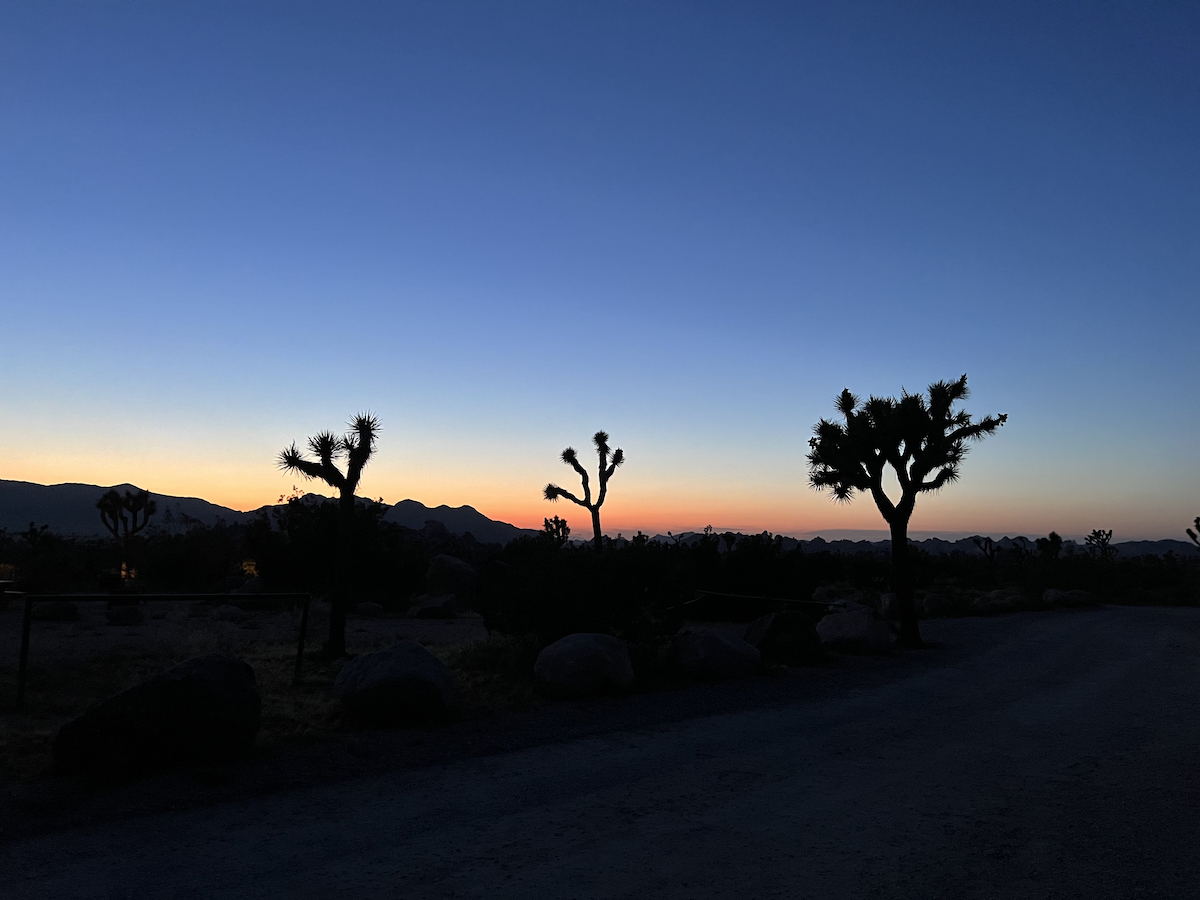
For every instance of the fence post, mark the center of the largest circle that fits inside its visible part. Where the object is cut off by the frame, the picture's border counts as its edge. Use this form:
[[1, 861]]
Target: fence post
[[300, 645], [24, 651]]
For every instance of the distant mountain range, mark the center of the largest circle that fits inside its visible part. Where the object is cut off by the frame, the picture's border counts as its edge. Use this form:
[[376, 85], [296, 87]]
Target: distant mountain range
[[70, 509], [939, 546]]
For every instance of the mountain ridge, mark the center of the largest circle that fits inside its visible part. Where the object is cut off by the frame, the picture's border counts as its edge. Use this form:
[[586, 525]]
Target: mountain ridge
[[70, 509]]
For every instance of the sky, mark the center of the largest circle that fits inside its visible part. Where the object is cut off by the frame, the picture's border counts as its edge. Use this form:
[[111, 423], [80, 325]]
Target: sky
[[503, 226]]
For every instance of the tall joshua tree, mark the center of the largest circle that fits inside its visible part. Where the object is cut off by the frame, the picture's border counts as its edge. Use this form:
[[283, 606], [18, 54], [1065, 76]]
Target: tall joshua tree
[[608, 465], [923, 440], [356, 448], [124, 515]]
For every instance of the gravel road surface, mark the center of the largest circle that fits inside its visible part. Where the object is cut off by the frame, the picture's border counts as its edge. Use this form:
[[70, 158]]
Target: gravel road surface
[[1034, 755]]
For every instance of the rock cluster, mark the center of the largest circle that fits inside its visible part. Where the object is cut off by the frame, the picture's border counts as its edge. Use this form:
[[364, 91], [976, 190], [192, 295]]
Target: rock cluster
[[712, 656], [786, 638], [851, 626]]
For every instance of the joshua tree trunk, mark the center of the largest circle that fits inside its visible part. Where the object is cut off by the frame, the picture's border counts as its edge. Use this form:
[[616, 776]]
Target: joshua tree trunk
[[902, 584], [598, 537], [336, 645]]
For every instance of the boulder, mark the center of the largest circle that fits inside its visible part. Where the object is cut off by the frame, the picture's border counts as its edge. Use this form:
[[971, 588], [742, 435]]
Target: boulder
[[440, 606], [789, 638], [1078, 598], [1054, 597], [713, 656], [369, 610], [227, 612], [855, 629], [124, 615], [398, 686], [582, 664], [450, 575], [997, 601], [848, 604], [204, 711], [935, 605], [55, 611]]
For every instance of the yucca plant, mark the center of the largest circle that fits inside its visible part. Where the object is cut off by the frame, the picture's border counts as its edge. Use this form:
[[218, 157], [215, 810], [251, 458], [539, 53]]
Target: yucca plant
[[608, 465], [1193, 534], [923, 440], [356, 448]]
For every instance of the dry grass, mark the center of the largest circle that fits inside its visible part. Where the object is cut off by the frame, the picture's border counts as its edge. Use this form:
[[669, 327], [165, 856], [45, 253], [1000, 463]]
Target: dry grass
[[494, 674]]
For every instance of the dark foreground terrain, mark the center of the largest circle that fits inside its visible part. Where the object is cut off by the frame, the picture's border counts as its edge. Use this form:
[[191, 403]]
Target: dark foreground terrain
[[1025, 756]]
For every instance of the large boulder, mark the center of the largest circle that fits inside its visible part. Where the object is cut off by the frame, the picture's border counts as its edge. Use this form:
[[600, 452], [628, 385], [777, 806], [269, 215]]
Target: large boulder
[[856, 628], [999, 601], [398, 686], [204, 711], [1054, 597], [369, 609], [450, 575], [438, 606], [713, 656], [935, 604], [583, 664], [789, 638]]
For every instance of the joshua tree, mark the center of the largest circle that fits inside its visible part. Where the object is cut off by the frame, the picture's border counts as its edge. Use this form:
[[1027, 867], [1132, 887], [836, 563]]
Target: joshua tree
[[1192, 534], [1098, 545], [987, 547], [608, 465], [1049, 547], [556, 530], [922, 439], [124, 515], [356, 447]]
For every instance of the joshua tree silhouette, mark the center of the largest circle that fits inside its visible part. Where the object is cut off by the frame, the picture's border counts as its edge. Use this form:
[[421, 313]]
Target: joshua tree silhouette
[[1098, 545], [1193, 534], [924, 441], [356, 447], [124, 515], [608, 465], [556, 530]]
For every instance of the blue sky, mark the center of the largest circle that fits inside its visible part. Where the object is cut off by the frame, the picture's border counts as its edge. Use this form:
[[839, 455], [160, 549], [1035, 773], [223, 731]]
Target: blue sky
[[503, 226]]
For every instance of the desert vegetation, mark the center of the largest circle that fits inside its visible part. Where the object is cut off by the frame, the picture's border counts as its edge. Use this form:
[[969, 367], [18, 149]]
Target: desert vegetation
[[487, 626], [356, 447], [608, 466], [921, 439]]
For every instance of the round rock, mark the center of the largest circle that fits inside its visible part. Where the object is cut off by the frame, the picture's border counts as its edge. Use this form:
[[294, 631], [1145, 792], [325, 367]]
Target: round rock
[[401, 685], [583, 664]]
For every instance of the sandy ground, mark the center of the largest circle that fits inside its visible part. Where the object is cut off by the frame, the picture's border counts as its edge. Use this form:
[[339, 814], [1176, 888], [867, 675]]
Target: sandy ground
[[1033, 755]]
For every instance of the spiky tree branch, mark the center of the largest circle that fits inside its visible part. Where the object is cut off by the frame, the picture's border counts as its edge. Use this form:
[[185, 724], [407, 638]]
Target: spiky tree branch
[[610, 460], [356, 447], [923, 439]]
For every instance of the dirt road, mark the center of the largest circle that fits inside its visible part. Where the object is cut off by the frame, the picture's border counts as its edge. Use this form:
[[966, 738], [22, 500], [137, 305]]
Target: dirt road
[[1034, 755]]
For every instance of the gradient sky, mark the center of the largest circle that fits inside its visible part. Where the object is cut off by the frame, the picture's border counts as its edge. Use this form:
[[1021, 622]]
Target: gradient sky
[[502, 226]]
